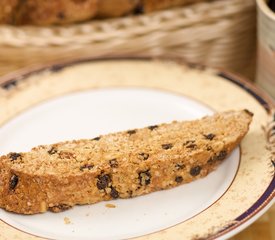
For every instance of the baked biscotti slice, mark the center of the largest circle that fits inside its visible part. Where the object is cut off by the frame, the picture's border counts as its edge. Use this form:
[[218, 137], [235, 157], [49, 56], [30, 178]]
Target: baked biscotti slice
[[119, 165]]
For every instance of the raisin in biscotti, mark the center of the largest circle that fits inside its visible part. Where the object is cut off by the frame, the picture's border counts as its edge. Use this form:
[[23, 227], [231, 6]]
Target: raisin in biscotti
[[119, 165]]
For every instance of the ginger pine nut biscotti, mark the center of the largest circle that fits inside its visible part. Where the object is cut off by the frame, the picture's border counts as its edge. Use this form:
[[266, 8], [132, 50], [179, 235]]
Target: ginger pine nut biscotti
[[119, 165]]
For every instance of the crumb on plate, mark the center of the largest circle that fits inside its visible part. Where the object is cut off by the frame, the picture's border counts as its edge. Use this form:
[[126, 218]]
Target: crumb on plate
[[67, 220], [109, 205]]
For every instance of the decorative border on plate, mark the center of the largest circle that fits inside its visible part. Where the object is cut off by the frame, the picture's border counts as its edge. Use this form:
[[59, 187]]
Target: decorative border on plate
[[247, 88], [269, 193]]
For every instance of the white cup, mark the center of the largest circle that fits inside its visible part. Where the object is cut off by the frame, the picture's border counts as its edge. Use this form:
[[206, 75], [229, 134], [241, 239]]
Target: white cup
[[266, 48]]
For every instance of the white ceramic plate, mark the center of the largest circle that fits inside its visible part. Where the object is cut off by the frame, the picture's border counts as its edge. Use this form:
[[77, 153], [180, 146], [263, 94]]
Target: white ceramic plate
[[89, 114], [110, 108]]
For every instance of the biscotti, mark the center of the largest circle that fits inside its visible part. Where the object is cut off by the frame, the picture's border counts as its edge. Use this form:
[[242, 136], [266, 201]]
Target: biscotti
[[119, 165], [58, 12], [54, 11]]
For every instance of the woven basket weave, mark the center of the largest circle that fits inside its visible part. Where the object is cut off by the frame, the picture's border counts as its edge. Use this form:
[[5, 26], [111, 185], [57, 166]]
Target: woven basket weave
[[217, 33]]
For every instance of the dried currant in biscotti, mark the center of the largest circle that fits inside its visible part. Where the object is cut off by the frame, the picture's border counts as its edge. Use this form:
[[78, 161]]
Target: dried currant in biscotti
[[167, 146], [222, 155], [209, 148], [195, 171], [131, 132], [143, 156], [191, 145], [52, 151], [144, 178], [114, 193], [14, 156], [86, 166], [113, 163], [103, 181], [60, 207], [209, 136], [13, 182], [96, 139], [178, 179], [153, 127]]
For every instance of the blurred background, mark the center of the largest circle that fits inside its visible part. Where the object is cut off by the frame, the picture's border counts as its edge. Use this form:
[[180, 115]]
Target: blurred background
[[219, 33], [234, 35]]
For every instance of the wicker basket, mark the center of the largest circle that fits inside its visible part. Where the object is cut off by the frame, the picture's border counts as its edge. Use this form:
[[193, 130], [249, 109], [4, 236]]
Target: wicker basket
[[217, 33]]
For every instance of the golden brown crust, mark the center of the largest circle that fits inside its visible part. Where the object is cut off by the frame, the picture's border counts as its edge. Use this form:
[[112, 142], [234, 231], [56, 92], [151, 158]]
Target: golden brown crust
[[119, 165], [49, 12], [154, 5], [115, 8], [7, 8], [57, 12]]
